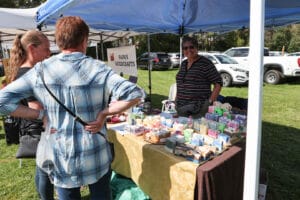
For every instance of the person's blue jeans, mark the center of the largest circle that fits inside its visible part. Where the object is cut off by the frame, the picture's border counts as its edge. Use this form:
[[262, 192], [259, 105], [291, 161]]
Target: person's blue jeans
[[98, 191], [43, 185]]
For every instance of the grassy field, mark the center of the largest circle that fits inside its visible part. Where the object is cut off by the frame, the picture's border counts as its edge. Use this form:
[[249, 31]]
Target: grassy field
[[280, 140]]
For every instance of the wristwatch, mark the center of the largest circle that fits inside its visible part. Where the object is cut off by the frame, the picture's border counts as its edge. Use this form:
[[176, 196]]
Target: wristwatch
[[41, 114]]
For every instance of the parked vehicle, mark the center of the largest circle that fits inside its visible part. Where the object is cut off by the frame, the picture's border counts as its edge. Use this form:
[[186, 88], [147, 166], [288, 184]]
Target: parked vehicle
[[277, 53], [294, 54], [230, 70], [159, 61], [275, 67], [175, 59]]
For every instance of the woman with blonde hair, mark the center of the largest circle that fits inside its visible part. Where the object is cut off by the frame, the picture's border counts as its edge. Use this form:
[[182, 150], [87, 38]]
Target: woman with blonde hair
[[29, 49]]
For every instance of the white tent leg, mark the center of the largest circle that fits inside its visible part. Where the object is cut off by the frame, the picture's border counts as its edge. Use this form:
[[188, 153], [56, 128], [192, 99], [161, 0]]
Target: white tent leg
[[253, 144]]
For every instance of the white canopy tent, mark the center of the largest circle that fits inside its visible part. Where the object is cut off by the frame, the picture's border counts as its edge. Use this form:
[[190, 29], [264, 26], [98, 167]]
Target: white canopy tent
[[7, 35], [18, 18], [18, 21]]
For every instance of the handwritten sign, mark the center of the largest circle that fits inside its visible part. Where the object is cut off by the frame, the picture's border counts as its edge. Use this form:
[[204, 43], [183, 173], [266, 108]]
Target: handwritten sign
[[123, 60]]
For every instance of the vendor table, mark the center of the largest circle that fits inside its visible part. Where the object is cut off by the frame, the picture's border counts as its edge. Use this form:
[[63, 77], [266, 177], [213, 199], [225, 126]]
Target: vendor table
[[164, 176]]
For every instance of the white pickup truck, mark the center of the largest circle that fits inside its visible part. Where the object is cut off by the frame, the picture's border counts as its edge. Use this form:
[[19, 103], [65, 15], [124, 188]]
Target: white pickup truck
[[275, 67]]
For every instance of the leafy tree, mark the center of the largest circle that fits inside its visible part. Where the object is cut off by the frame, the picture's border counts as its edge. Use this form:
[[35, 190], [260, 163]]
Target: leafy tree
[[158, 42], [242, 37], [206, 41], [294, 45], [281, 39], [7, 4], [225, 41], [20, 3]]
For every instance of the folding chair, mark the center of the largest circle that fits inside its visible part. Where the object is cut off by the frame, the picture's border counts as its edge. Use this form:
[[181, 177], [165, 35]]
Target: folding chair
[[168, 105]]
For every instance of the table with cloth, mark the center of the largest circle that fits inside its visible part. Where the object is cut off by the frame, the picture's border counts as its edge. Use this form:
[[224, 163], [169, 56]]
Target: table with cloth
[[164, 176]]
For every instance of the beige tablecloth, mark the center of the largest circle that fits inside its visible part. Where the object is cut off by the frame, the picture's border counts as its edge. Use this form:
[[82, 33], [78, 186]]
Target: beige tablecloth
[[164, 176], [160, 174]]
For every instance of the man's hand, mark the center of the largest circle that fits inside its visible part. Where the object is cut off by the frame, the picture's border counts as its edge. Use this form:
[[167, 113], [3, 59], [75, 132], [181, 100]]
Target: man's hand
[[114, 108], [95, 126]]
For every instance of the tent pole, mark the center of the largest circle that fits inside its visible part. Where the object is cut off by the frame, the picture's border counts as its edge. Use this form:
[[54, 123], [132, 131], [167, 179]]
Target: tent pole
[[149, 66], [180, 50], [97, 56], [1, 50], [253, 142], [102, 48]]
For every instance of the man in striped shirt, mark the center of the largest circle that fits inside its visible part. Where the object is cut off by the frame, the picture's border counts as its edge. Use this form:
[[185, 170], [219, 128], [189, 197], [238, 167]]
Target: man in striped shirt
[[194, 81]]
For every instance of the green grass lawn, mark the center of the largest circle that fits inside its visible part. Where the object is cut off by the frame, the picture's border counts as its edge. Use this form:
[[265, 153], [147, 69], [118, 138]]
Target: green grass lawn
[[280, 140]]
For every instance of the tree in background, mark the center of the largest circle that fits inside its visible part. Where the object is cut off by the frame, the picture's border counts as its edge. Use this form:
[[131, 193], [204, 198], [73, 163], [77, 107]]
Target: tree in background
[[158, 43], [20, 3], [283, 38], [294, 45], [7, 4], [280, 39], [225, 41], [242, 37]]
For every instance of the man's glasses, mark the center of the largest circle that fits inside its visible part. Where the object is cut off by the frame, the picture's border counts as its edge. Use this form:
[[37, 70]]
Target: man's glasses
[[188, 47]]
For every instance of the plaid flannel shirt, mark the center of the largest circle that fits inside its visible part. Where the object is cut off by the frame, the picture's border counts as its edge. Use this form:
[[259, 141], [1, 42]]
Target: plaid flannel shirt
[[84, 86]]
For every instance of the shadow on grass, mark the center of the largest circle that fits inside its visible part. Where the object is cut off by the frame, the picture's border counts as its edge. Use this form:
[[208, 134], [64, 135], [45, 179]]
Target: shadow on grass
[[86, 197], [156, 100], [280, 156], [293, 81], [2, 136]]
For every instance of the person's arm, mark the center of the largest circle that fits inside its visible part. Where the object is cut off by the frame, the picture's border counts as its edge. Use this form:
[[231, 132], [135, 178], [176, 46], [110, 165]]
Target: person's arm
[[215, 79], [27, 113], [114, 108], [13, 93], [123, 93], [215, 93], [35, 105]]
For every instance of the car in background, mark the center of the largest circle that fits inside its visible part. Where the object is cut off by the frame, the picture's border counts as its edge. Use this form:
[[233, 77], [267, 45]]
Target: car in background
[[175, 59], [277, 53], [294, 54], [276, 68], [158, 61], [230, 70], [240, 54]]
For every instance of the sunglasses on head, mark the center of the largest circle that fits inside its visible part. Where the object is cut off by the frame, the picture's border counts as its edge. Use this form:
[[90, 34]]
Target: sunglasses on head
[[188, 47]]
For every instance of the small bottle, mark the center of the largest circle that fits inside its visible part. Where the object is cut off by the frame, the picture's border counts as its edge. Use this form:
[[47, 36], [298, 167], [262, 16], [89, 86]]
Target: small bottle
[[147, 107], [129, 116], [190, 122]]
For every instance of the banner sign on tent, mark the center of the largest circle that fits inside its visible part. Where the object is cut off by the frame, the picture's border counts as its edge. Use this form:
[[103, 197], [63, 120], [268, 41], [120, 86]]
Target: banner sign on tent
[[123, 60]]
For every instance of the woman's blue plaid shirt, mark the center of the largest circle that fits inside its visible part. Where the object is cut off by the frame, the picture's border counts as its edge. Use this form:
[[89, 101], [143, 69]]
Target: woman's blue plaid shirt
[[84, 85]]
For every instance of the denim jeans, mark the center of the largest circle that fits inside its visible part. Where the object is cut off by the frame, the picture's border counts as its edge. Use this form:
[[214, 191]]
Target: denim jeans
[[43, 185], [98, 191]]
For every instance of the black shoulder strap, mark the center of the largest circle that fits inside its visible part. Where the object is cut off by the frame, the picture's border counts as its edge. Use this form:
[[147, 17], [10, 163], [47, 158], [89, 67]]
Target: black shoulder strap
[[78, 119]]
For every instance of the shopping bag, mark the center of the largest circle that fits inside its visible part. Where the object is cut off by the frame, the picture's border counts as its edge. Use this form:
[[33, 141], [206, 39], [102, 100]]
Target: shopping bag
[[30, 134], [44, 154], [28, 145]]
